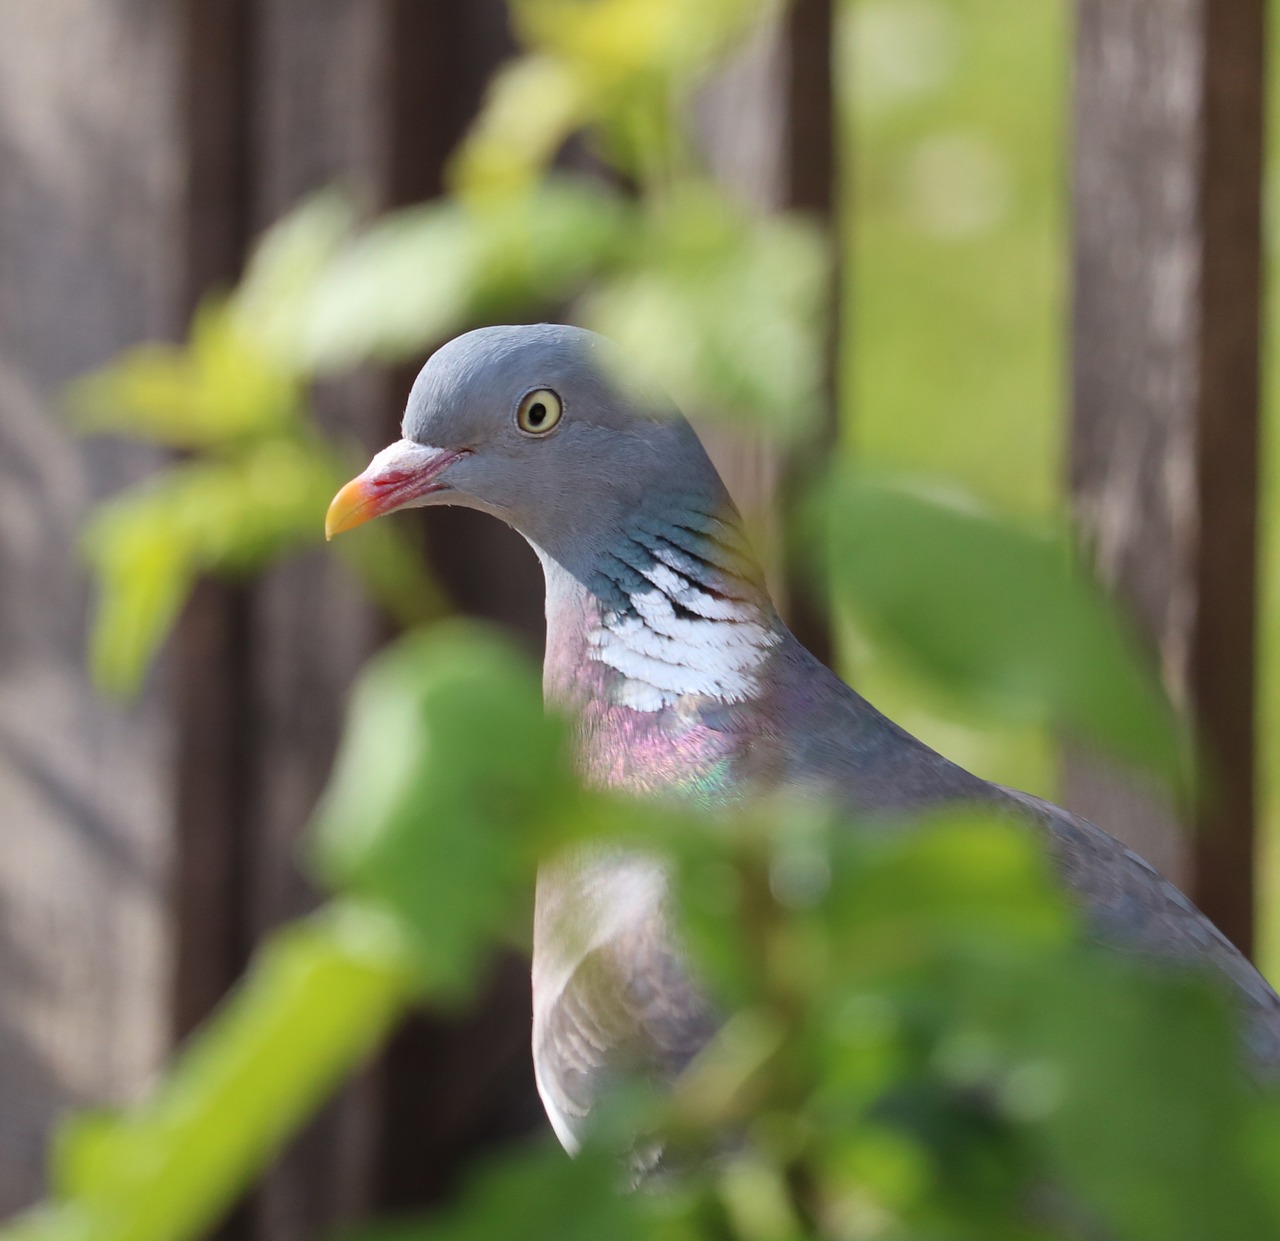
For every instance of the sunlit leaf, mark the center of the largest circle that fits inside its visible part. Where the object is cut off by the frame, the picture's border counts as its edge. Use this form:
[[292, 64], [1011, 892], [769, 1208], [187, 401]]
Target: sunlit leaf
[[230, 517], [215, 392], [611, 43], [148, 546], [398, 287], [537, 1195], [999, 615], [532, 106], [287, 263], [143, 571], [318, 999], [539, 251], [426, 272], [725, 310], [440, 800], [620, 69]]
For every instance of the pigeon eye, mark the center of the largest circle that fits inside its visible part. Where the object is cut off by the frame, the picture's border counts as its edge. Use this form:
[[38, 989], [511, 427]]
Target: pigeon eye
[[538, 411]]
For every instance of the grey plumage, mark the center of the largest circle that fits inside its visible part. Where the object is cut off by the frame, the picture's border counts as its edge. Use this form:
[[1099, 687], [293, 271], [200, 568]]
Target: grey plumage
[[682, 678]]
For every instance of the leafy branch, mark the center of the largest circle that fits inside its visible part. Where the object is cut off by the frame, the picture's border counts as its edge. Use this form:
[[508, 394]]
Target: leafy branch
[[690, 282], [917, 1041]]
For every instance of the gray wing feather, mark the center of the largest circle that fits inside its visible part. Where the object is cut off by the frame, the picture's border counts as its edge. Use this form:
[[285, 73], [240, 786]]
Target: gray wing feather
[[613, 995], [1129, 904], [628, 1008], [626, 1004]]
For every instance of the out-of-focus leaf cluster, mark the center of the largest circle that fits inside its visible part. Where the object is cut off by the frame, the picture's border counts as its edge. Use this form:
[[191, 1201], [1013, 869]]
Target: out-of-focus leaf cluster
[[321, 996], [252, 476], [916, 1043], [997, 615], [719, 303], [622, 70]]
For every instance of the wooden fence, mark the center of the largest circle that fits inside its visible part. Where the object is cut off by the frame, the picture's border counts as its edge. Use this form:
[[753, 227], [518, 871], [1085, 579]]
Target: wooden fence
[[146, 848]]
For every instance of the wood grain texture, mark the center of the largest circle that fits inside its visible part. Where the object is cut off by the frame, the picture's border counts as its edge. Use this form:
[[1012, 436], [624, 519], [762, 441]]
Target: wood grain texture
[[453, 1086], [88, 180], [280, 100], [768, 126], [212, 716], [371, 96], [1167, 262], [314, 122]]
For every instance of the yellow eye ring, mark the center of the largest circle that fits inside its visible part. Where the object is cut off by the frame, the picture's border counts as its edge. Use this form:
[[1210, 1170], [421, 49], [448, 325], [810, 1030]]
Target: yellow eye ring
[[539, 411]]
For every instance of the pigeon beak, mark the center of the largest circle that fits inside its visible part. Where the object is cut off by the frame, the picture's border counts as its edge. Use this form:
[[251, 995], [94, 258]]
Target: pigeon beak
[[398, 476]]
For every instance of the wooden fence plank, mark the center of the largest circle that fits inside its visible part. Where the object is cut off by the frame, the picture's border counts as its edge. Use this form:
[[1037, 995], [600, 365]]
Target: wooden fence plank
[[212, 643], [89, 160], [314, 122], [1167, 192], [768, 124], [453, 1085], [374, 96], [228, 112]]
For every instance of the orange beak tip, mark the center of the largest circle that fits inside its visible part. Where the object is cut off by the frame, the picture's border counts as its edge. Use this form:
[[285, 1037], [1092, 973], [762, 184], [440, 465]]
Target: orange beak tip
[[349, 508]]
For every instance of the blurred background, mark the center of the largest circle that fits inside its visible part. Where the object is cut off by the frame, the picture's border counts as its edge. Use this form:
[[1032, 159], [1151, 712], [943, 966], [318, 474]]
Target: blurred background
[[1014, 247]]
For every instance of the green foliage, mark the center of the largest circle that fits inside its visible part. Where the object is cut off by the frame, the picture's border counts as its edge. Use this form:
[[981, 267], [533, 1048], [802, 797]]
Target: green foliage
[[443, 795], [537, 1195], [998, 615], [954, 136], [620, 69], [253, 487], [723, 307], [420, 274], [212, 515], [717, 304], [916, 1043], [321, 996], [921, 1044], [213, 394]]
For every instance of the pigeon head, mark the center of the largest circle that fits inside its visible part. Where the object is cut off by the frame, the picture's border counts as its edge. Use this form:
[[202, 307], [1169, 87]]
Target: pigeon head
[[542, 426]]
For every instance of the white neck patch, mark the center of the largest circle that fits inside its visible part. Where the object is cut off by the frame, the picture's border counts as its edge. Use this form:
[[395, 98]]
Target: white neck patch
[[713, 647]]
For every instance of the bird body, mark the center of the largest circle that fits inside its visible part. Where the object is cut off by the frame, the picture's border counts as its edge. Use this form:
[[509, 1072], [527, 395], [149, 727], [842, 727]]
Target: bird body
[[664, 647]]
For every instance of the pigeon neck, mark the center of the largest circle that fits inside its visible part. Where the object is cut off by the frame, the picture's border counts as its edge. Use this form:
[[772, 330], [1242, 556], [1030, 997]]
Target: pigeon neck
[[670, 613]]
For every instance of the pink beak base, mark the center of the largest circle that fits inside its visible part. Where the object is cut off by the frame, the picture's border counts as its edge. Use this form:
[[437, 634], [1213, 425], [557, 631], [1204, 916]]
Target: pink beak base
[[398, 475]]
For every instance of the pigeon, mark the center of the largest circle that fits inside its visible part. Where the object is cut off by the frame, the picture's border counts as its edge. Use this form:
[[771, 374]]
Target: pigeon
[[664, 648]]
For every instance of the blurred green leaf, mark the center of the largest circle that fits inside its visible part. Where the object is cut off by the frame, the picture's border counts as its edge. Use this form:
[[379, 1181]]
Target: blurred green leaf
[[758, 1200], [999, 615], [230, 516], [953, 1061], [143, 572], [619, 68], [441, 798], [535, 1195], [284, 269], [1164, 1164], [398, 286], [217, 391], [319, 998], [423, 273], [636, 63], [610, 43], [723, 309], [531, 107]]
